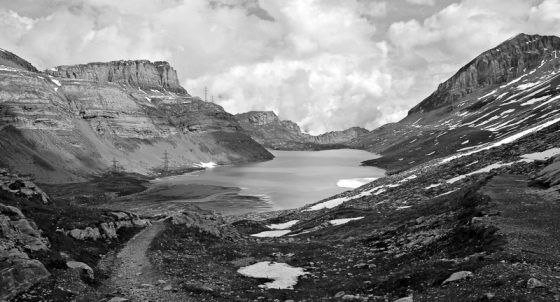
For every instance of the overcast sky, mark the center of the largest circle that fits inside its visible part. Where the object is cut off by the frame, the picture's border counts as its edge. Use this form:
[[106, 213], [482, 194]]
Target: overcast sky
[[327, 65]]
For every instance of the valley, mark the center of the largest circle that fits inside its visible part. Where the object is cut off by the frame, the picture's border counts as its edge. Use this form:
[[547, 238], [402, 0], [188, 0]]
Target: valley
[[462, 204]]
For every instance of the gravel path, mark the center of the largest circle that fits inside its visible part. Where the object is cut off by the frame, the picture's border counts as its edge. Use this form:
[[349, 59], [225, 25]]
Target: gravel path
[[135, 278]]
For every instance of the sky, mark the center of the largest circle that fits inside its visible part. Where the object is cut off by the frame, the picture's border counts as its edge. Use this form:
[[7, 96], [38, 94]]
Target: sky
[[325, 64]]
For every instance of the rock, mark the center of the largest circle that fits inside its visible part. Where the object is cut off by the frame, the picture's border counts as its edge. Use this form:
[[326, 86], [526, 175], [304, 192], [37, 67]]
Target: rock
[[361, 265], [534, 283], [118, 299], [352, 298], [339, 294], [210, 224], [167, 288], [19, 275], [108, 229], [160, 282], [82, 267], [458, 276], [405, 299], [146, 285]]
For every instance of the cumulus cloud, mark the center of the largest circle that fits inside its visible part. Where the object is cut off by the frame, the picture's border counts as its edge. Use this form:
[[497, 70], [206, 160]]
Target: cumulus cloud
[[422, 2], [325, 64]]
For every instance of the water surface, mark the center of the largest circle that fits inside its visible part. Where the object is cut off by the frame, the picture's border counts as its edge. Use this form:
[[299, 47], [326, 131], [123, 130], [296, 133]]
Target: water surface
[[292, 179]]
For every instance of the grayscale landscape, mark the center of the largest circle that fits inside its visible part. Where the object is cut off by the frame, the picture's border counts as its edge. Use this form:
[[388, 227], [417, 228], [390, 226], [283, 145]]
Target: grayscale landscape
[[267, 150]]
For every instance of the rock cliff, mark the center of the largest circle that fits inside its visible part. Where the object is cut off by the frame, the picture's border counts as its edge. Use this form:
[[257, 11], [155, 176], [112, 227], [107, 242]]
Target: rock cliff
[[498, 65], [141, 73], [267, 128], [121, 115]]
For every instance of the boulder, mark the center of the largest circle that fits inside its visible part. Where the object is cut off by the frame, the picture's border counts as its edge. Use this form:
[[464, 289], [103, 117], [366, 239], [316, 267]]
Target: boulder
[[82, 267], [458, 276], [534, 283], [20, 275]]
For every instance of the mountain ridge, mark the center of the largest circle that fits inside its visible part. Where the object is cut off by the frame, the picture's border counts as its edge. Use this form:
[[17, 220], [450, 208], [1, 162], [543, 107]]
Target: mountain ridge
[[267, 128]]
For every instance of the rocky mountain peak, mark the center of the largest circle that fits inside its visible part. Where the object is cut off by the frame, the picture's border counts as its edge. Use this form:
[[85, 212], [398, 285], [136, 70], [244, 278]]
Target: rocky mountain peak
[[258, 118], [501, 64], [11, 60], [143, 74]]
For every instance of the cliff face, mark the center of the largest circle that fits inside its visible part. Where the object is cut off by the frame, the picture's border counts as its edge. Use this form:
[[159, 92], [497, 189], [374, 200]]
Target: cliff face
[[11, 60], [141, 74], [498, 65], [63, 129], [266, 128]]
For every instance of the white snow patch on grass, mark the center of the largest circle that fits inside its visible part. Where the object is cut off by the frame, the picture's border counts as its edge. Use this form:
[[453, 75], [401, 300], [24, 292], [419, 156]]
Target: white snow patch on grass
[[56, 82], [277, 233], [329, 204], [535, 100], [343, 220], [284, 276], [482, 170], [353, 183], [506, 140], [432, 186], [208, 165], [283, 226], [542, 155]]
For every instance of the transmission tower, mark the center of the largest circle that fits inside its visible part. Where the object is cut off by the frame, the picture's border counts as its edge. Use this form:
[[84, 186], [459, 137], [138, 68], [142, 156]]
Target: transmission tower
[[165, 161], [115, 167], [212, 99]]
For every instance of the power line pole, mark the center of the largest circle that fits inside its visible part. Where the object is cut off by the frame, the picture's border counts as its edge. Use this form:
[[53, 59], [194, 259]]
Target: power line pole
[[206, 94], [115, 165], [165, 161], [212, 99]]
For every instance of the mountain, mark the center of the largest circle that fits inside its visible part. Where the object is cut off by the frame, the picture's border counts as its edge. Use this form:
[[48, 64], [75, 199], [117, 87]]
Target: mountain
[[502, 91], [70, 122], [266, 128]]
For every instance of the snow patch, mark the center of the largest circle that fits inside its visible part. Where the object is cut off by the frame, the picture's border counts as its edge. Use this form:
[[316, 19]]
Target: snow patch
[[542, 155], [284, 276], [353, 183], [208, 165], [344, 220], [283, 226], [278, 233]]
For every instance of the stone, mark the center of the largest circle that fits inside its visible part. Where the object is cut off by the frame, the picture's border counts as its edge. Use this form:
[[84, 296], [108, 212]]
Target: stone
[[82, 267], [118, 299], [534, 283], [339, 294], [458, 276], [405, 299], [20, 276], [167, 288]]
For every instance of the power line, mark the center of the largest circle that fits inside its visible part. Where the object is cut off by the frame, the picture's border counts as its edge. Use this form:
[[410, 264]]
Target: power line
[[165, 161]]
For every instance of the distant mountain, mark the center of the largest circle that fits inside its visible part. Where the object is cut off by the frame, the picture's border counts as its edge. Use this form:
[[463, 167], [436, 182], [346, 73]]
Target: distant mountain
[[502, 91], [69, 122], [267, 128]]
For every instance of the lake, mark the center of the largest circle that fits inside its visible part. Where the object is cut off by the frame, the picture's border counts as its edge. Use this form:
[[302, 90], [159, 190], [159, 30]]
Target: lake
[[292, 179]]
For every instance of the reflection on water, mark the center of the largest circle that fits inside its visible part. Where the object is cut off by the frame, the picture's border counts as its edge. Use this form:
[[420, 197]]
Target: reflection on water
[[292, 179]]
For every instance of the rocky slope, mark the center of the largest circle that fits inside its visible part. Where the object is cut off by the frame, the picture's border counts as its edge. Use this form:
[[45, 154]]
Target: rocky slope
[[267, 128], [501, 92], [74, 121]]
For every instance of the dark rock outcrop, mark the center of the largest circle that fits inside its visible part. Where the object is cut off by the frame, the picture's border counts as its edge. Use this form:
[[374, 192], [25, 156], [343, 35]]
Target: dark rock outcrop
[[498, 65], [143, 74], [19, 236], [267, 128]]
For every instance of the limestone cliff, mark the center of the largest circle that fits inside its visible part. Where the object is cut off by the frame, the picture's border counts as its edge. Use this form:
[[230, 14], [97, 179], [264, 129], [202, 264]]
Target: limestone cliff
[[141, 74], [267, 128], [498, 65], [63, 129]]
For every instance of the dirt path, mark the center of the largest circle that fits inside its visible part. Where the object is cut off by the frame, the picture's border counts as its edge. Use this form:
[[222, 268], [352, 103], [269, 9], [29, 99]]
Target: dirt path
[[135, 278]]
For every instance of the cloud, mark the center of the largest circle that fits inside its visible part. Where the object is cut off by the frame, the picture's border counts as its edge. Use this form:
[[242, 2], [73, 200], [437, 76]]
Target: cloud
[[326, 64], [422, 2]]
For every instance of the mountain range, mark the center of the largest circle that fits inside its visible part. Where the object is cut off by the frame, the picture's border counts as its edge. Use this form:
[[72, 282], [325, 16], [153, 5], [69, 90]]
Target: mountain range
[[468, 210]]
